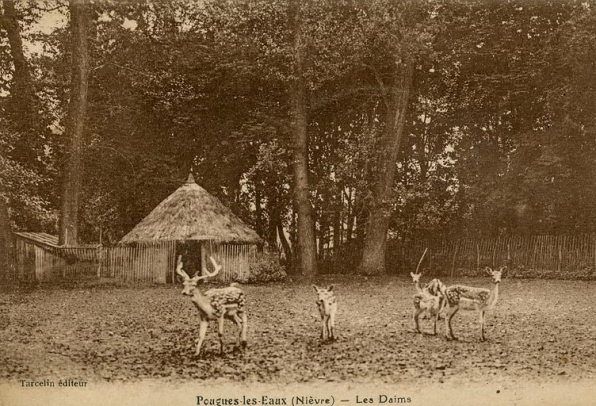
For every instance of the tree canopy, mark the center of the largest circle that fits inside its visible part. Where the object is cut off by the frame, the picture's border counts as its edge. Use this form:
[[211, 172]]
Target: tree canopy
[[421, 118]]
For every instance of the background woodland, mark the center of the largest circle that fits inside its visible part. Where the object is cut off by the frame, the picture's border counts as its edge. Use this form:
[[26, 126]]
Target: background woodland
[[332, 127]]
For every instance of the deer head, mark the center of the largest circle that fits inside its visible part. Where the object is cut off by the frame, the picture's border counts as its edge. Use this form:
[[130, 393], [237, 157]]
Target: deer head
[[415, 275], [496, 275], [325, 297], [190, 284]]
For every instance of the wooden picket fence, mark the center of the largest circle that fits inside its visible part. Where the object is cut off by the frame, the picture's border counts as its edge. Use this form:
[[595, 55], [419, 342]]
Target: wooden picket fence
[[156, 262], [39, 257], [141, 263], [235, 260], [539, 254]]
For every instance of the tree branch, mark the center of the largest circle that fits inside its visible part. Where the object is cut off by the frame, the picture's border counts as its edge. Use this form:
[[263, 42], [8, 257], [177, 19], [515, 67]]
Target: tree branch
[[382, 87]]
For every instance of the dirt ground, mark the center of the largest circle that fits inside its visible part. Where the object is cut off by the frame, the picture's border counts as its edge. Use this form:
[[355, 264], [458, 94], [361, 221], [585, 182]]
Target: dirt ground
[[540, 331]]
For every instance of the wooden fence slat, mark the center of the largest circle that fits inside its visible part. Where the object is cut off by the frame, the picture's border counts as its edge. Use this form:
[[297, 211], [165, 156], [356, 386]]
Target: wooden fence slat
[[539, 253]]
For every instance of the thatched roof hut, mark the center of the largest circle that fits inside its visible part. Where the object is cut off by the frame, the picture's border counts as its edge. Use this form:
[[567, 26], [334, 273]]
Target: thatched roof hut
[[198, 225], [191, 213]]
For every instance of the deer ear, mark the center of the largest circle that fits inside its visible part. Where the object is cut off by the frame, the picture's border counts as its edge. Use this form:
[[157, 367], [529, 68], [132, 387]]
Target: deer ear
[[179, 279], [315, 288], [488, 270], [412, 274], [504, 269], [330, 288]]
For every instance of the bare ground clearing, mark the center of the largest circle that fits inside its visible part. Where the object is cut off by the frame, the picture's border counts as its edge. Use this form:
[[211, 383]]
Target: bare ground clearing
[[540, 331]]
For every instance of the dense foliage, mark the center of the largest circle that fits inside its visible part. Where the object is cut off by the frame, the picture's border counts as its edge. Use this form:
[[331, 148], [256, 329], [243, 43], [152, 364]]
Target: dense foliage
[[498, 138]]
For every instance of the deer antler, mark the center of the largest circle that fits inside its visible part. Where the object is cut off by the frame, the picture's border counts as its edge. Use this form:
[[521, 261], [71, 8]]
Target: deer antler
[[207, 273], [421, 258], [216, 266], [179, 269]]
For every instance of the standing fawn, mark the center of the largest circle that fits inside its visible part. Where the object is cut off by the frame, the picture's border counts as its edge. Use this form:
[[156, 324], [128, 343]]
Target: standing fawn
[[215, 304], [470, 298], [428, 301], [327, 305]]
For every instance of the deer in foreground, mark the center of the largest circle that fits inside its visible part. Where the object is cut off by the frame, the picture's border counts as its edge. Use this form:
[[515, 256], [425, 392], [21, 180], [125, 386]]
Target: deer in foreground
[[327, 305], [215, 305], [428, 301], [470, 298]]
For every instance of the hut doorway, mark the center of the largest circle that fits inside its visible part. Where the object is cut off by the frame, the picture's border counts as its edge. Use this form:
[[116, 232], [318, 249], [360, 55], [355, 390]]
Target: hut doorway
[[192, 258]]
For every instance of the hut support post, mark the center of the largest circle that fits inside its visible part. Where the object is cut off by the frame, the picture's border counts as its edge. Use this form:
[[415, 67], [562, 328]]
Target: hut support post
[[203, 262]]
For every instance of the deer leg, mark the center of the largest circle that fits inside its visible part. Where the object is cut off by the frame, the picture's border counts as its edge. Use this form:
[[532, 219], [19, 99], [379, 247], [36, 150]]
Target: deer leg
[[437, 313], [238, 322], [332, 326], [202, 331], [220, 331], [448, 316], [322, 314], [244, 328], [482, 326], [441, 306], [324, 332], [416, 316], [328, 328]]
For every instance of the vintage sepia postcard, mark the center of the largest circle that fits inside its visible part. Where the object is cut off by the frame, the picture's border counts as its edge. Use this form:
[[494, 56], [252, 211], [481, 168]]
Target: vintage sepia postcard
[[297, 202]]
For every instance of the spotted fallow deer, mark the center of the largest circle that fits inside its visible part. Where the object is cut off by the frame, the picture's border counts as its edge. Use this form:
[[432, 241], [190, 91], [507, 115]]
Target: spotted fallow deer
[[327, 305], [470, 298], [215, 305], [428, 301]]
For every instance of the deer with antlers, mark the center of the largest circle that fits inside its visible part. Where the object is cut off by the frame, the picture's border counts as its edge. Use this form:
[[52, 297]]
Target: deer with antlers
[[470, 298], [215, 304], [428, 301]]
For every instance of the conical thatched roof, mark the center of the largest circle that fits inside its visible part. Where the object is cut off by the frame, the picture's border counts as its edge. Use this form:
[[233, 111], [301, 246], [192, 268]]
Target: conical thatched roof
[[191, 213]]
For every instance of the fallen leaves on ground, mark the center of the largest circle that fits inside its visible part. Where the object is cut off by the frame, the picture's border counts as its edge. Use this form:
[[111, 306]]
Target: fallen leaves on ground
[[539, 330]]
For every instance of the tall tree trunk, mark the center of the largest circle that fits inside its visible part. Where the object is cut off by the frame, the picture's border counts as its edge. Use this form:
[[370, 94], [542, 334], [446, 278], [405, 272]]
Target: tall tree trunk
[[306, 250], [23, 102], [258, 210], [323, 232], [361, 214], [77, 109], [22, 109], [273, 216], [22, 84], [396, 103], [284, 242], [351, 217], [7, 258], [337, 226]]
